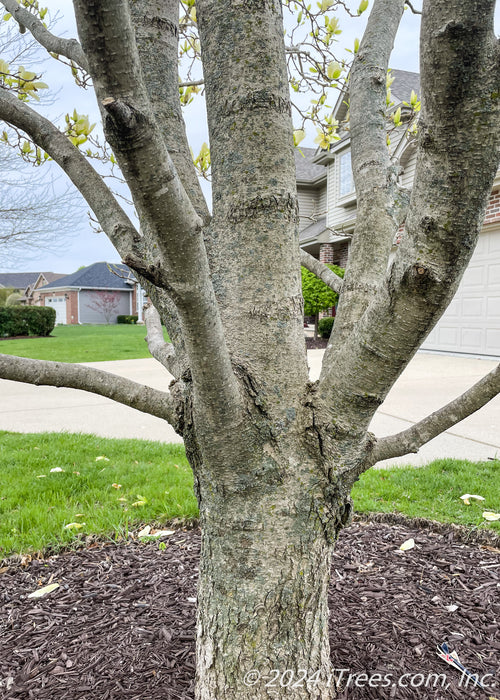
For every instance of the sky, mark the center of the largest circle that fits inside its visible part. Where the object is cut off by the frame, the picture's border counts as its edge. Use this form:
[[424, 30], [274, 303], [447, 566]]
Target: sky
[[77, 244]]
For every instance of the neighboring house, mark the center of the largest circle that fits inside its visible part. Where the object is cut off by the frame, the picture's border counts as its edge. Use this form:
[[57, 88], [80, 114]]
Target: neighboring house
[[312, 189], [327, 205], [27, 282], [94, 294]]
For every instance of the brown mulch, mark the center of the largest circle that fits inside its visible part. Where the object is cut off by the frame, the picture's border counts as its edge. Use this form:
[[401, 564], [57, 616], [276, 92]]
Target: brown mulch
[[318, 344], [122, 624]]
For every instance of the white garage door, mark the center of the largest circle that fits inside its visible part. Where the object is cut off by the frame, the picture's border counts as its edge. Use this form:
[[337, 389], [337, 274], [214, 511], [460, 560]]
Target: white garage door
[[471, 324], [59, 304]]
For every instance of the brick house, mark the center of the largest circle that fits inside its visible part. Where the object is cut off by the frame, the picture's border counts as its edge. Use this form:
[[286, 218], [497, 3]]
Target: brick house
[[327, 206], [95, 294], [27, 282]]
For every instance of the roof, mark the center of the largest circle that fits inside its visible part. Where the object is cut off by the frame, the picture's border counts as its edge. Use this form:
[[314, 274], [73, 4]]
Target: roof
[[100, 275], [313, 231], [21, 280], [404, 82], [51, 276], [306, 170]]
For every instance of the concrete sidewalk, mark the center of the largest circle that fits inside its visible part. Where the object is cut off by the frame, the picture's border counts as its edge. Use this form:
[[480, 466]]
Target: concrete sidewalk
[[429, 382]]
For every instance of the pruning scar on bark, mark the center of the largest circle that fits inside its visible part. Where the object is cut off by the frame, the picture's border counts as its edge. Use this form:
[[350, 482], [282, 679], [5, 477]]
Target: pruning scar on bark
[[120, 112]]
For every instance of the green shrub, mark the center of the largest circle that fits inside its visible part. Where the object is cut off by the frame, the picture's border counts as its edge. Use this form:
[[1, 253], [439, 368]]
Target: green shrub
[[26, 320], [127, 318], [325, 326]]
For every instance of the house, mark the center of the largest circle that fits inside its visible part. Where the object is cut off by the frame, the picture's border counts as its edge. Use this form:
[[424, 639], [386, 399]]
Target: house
[[27, 282], [94, 294], [327, 207]]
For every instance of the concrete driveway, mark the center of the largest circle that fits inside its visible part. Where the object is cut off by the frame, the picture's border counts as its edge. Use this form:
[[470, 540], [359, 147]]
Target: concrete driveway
[[429, 382]]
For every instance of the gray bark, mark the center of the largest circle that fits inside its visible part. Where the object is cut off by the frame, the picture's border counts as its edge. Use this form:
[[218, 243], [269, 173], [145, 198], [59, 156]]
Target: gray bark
[[63, 374], [273, 456], [322, 271], [159, 349]]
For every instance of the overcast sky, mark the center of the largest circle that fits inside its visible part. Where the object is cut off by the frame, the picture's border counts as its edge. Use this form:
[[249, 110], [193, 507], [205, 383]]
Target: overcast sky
[[80, 245]]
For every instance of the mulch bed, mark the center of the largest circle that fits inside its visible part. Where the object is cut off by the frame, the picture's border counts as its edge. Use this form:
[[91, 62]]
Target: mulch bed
[[122, 625], [318, 344]]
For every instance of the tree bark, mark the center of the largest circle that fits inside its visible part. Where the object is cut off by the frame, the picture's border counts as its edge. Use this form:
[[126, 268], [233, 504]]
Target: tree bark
[[273, 456], [254, 634], [268, 533]]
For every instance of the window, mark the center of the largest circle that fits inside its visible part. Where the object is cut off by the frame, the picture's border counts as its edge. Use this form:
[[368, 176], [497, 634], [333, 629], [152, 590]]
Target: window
[[346, 179]]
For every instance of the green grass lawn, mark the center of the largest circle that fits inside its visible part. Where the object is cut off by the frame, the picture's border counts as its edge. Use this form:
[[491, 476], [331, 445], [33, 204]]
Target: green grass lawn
[[156, 486], [433, 491], [83, 344], [36, 504]]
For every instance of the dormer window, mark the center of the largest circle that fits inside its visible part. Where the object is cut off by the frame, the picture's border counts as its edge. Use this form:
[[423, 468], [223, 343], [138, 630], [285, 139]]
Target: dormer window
[[346, 178]]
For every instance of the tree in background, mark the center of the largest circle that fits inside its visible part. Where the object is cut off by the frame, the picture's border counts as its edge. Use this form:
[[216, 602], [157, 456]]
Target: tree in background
[[106, 304], [9, 296], [274, 456], [318, 296], [36, 207]]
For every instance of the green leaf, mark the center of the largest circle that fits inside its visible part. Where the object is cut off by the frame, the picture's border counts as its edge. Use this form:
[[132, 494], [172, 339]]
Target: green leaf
[[334, 70], [363, 6], [298, 136]]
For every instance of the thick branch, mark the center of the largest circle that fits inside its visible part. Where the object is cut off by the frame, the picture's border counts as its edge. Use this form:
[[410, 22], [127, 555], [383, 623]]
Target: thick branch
[[445, 213], [72, 376], [374, 176], [113, 220], [322, 271], [158, 52], [177, 260], [161, 351], [69, 48], [412, 439], [255, 209]]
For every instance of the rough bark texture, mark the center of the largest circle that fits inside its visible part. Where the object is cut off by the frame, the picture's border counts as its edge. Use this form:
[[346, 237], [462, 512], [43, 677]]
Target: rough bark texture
[[273, 456]]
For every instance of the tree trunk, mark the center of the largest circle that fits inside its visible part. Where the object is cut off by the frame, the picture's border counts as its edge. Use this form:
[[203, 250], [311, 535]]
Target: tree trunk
[[262, 611], [316, 323], [265, 567]]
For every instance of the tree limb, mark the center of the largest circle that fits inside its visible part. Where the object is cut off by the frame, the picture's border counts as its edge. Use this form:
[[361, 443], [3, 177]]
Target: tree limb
[[113, 220], [322, 271], [445, 214], [158, 53], [192, 83], [413, 438], [73, 376], [177, 259], [69, 48], [160, 350], [254, 193], [374, 176], [409, 4]]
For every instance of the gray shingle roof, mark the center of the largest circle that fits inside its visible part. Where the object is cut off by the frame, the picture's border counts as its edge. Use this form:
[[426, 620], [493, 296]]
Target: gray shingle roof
[[96, 276], [404, 82], [306, 170], [20, 280]]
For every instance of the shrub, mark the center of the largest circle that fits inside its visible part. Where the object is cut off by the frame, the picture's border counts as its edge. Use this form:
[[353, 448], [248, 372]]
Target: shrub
[[26, 320], [325, 326], [126, 318]]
